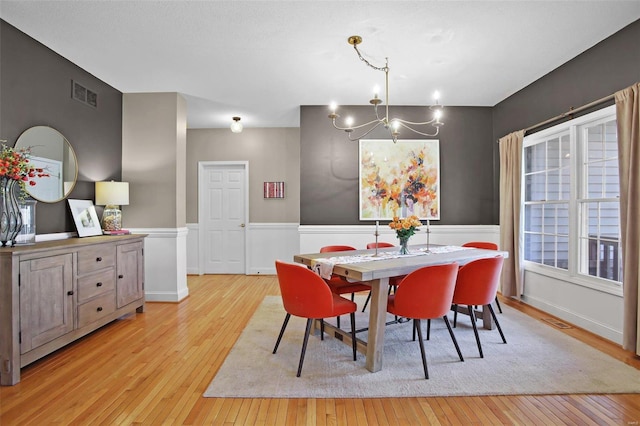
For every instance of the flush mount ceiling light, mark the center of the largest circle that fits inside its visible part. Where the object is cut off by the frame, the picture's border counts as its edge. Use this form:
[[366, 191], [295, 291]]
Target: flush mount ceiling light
[[236, 126], [392, 124]]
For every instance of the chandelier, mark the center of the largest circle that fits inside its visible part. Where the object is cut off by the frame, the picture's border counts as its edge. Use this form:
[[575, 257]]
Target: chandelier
[[392, 124]]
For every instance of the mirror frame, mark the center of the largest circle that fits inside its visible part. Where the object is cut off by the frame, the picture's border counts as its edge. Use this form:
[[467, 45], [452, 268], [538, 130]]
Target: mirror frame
[[20, 143]]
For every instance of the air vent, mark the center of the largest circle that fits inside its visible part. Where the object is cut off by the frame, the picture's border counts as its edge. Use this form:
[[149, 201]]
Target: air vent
[[554, 322], [84, 95]]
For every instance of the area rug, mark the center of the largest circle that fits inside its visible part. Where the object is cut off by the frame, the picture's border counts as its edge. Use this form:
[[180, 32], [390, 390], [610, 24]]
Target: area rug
[[537, 359]]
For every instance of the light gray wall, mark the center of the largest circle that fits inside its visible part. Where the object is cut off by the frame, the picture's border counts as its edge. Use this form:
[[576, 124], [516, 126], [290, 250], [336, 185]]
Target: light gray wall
[[153, 159], [273, 155]]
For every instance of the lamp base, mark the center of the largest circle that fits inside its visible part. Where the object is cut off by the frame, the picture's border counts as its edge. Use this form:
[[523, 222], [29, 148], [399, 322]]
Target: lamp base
[[111, 218]]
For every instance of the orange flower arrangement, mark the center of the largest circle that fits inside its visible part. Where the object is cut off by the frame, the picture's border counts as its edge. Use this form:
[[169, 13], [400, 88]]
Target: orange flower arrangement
[[405, 227], [15, 165]]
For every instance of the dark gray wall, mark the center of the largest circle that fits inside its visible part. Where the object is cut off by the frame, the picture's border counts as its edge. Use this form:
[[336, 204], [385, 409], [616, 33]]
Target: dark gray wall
[[611, 65], [329, 165], [35, 89]]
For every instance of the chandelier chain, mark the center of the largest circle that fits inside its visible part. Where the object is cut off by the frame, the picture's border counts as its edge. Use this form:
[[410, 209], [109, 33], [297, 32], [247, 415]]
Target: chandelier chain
[[384, 69]]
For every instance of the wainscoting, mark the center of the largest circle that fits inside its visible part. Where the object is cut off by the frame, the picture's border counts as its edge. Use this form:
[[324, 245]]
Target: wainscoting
[[592, 309], [267, 242], [171, 254]]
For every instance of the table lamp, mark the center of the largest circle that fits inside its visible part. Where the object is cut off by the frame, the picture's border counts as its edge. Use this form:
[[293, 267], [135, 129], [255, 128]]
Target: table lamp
[[112, 195]]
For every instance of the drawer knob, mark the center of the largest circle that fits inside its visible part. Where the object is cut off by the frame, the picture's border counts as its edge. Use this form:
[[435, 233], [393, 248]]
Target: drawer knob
[[99, 309], [70, 293], [98, 284], [98, 259], [120, 276]]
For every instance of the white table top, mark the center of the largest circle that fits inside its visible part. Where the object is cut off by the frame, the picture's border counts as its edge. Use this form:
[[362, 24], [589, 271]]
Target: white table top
[[397, 266]]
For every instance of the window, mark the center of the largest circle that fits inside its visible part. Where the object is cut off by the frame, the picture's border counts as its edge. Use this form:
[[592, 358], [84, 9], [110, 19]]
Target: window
[[571, 197]]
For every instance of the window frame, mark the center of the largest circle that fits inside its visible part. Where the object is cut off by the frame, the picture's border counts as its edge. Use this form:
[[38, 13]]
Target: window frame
[[572, 274]]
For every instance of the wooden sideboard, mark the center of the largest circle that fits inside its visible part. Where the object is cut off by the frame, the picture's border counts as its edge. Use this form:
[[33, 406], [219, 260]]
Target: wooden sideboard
[[54, 292]]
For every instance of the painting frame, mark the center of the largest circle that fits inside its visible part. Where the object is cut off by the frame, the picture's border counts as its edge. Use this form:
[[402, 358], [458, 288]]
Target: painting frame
[[399, 179], [85, 217]]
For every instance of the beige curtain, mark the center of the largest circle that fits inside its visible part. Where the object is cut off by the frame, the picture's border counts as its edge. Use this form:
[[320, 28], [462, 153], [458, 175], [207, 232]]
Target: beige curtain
[[628, 118], [510, 204]]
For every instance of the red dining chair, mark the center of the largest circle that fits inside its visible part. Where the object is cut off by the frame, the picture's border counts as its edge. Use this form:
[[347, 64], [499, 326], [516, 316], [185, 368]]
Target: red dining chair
[[306, 295], [339, 285], [477, 285], [393, 281], [487, 246], [426, 293]]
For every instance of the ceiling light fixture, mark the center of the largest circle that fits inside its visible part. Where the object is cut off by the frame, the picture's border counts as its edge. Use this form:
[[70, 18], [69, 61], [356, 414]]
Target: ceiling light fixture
[[391, 124], [236, 126]]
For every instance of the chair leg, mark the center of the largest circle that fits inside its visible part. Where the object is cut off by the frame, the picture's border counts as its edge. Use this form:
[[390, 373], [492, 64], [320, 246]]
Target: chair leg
[[428, 329], [424, 358], [389, 294], [353, 334], [321, 329], [338, 322], [414, 330], [453, 337], [455, 315], [366, 302], [284, 325], [472, 314], [307, 331], [493, 314], [498, 304]]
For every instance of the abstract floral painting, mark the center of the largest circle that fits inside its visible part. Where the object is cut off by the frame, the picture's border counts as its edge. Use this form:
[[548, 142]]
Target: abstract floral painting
[[400, 179]]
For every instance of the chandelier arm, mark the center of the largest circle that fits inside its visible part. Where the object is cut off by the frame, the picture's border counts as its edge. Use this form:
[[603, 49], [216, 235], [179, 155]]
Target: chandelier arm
[[365, 133], [375, 109], [377, 123], [400, 120], [419, 132]]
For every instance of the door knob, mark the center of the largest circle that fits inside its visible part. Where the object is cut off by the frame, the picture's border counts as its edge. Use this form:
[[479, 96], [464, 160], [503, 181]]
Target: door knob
[[242, 225]]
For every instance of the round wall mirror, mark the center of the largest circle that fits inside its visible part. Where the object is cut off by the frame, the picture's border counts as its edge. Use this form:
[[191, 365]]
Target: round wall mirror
[[51, 151]]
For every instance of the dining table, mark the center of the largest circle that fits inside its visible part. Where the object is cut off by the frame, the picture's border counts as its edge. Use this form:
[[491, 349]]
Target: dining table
[[375, 267]]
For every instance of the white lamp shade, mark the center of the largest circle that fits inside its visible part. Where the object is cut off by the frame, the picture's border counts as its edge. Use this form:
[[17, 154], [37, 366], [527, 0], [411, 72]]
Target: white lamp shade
[[112, 193]]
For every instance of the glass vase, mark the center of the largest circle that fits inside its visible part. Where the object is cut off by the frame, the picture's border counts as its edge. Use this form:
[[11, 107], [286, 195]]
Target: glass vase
[[404, 241], [27, 234], [10, 216]]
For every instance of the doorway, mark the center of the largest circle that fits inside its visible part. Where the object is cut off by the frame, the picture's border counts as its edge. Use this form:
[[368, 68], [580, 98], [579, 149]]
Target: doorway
[[223, 210]]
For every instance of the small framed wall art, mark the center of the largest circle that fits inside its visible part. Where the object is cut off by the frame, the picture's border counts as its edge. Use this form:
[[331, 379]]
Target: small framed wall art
[[274, 190]]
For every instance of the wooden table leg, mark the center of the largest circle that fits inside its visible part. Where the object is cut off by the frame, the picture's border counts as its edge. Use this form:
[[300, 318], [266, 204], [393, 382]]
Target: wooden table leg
[[377, 320], [487, 321]]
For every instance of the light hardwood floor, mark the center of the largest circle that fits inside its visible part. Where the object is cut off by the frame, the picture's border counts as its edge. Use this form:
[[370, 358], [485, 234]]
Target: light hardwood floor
[[153, 368]]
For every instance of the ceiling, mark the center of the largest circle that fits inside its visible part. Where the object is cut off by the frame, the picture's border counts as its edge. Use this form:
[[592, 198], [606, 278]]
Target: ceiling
[[261, 60]]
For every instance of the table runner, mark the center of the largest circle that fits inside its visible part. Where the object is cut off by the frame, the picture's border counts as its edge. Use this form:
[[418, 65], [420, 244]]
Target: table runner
[[324, 266]]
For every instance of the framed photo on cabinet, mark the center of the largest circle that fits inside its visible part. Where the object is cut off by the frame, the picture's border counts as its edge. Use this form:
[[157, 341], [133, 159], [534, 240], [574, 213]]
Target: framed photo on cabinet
[[85, 217]]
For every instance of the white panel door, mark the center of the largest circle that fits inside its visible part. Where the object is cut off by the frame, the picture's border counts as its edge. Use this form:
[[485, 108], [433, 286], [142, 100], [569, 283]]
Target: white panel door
[[224, 219]]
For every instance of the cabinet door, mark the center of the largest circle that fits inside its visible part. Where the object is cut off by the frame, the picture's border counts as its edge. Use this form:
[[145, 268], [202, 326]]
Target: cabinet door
[[130, 271], [46, 300]]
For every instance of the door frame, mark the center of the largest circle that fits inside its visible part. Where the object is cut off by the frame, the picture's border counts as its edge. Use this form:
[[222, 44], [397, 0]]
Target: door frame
[[202, 167]]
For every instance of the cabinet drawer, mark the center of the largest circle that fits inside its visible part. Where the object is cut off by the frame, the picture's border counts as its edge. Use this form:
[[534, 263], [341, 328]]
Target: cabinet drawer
[[95, 258], [96, 284], [96, 309]]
